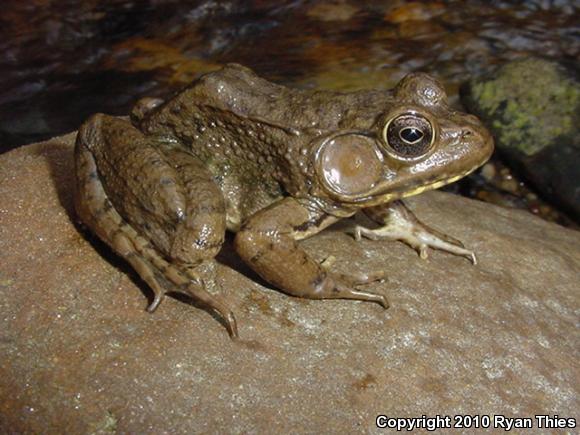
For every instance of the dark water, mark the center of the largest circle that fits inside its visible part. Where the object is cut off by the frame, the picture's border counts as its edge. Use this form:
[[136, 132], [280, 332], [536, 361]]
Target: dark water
[[62, 60]]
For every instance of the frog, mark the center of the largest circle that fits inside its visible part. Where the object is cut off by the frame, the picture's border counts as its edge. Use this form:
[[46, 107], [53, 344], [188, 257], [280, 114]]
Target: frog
[[273, 165]]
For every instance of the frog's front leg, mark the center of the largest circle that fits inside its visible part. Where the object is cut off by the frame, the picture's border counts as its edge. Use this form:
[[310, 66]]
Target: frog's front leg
[[399, 223], [268, 244]]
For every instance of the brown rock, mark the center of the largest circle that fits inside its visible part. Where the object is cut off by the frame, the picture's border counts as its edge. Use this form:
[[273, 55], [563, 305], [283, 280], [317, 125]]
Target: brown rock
[[79, 354]]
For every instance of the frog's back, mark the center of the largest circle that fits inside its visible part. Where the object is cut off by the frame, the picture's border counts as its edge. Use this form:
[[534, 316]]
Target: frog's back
[[252, 134], [239, 90]]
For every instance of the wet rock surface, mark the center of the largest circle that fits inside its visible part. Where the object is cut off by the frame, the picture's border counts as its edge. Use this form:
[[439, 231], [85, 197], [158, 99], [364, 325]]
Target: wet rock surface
[[532, 107], [80, 354]]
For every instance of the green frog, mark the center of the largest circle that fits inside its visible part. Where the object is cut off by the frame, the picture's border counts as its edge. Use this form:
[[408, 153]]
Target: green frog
[[274, 165]]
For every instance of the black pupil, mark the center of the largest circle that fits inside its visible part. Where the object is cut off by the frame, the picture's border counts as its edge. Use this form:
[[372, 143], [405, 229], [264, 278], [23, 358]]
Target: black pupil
[[411, 134]]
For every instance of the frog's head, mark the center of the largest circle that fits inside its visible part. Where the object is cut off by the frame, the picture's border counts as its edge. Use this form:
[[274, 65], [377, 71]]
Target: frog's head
[[417, 145]]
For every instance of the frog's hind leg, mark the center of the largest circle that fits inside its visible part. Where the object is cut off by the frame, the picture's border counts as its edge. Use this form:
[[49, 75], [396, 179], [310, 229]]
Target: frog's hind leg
[[161, 247], [267, 242]]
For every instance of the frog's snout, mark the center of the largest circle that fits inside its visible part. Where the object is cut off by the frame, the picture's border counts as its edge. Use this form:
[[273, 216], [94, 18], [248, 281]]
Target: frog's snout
[[467, 136], [477, 138]]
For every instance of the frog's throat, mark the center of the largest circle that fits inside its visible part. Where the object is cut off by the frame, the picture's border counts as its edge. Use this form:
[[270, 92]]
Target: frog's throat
[[435, 185], [392, 196]]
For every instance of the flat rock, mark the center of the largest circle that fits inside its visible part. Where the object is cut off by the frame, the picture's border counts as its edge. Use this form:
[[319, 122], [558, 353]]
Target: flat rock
[[79, 353]]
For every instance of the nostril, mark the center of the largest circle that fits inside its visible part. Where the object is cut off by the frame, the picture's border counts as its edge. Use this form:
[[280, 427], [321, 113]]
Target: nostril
[[473, 132]]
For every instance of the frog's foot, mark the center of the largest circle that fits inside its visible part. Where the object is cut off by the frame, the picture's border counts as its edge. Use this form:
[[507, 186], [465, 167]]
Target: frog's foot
[[401, 224], [164, 277], [191, 283], [355, 278], [344, 286]]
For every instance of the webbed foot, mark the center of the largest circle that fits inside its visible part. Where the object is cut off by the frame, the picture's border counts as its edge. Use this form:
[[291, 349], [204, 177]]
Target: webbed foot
[[344, 286], [399, 223]]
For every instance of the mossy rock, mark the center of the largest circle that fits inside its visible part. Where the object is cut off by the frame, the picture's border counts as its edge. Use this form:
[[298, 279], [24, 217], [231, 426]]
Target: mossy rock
[[528, 103], [532, 107]]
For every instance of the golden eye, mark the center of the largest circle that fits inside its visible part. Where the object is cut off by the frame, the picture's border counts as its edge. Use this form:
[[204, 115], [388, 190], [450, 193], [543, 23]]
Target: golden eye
[[409, 136]]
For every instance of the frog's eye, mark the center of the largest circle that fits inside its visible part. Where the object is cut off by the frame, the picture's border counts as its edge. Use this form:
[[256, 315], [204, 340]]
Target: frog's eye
[[408, 136]]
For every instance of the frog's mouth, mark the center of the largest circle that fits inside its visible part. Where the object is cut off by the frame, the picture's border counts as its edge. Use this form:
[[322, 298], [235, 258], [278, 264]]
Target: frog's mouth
[[353, 168], [431, 185], [376, 197]]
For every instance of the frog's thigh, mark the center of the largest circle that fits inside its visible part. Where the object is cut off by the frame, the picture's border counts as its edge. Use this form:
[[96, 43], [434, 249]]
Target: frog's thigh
[[200, 231], [156, 217], [399, 223], [164, 193], [268, 244]]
